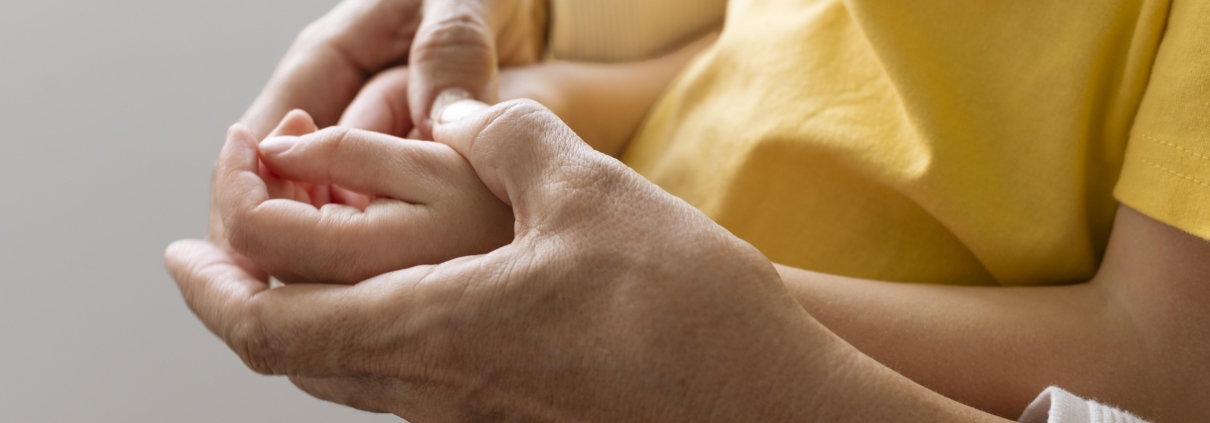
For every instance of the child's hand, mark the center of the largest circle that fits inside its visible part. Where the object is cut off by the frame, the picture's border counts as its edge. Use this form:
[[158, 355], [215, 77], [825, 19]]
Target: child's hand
[[297, 123], [440, 212]]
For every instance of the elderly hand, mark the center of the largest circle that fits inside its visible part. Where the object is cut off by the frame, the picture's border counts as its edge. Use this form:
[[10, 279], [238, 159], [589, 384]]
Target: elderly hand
[[451, 45], [614, 302]]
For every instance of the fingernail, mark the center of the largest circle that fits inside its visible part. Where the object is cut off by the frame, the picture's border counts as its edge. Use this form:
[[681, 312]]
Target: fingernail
[[446, 98], [460, 110], [277, 145]]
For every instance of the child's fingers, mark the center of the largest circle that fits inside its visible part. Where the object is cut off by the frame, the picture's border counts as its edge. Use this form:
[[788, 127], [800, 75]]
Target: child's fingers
[[336, 243], [296, 123], [367, 162], [382, 105], [349, 198], [320, 195], [277, 187]]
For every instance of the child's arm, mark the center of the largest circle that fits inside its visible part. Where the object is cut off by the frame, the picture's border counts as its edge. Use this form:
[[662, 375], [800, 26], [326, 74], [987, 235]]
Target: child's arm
[[1136, 336], [603, 103]]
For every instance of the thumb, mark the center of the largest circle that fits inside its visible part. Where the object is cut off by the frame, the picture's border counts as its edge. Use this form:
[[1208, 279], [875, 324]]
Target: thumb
[[519, 149], [453, 57], [237, 181]]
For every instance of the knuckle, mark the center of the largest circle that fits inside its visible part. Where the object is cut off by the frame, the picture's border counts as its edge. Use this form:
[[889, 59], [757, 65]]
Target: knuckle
[[461, 30], [526, 109], [331, 138], [523, 120]]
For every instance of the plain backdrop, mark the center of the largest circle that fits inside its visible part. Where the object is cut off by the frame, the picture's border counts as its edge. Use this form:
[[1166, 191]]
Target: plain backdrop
[[111, 115]]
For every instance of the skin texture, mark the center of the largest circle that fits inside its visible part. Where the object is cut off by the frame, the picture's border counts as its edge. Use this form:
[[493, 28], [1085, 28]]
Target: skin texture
[[450, 44], [344, 68], [1136, 335], [404, 226], [603, 102], [1147, 304], [439, 210], [614, 302]]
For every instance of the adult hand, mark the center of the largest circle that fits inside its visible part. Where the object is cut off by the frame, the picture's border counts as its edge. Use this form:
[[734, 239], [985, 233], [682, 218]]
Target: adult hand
[[450, 45], [614, 302], [455, 46]]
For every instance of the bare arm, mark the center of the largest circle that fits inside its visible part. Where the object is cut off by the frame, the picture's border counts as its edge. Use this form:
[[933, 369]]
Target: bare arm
[[664, 318], [1114, 338], [603, 102], [1136, 335]]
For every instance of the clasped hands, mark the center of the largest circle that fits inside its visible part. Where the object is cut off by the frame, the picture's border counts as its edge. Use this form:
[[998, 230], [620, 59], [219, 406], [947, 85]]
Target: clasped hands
[[503, 271]]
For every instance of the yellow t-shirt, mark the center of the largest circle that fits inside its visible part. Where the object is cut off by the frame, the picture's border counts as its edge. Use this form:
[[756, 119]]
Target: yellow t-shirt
[[955, 142]]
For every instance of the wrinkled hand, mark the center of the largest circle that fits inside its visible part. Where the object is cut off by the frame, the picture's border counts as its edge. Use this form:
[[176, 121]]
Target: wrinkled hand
[[441, 212], [449, 44], [614, 302]]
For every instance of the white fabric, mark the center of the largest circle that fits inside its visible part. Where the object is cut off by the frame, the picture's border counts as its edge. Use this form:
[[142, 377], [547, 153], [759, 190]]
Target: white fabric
[[1055, 405], [627, 30]]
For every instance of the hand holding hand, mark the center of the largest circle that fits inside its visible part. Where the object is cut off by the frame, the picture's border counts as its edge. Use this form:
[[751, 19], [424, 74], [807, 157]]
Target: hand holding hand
[[454, 45], [425, 203], [615, 301]]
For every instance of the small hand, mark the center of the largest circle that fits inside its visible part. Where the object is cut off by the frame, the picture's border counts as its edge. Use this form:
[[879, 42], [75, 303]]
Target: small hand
[[427, 204]]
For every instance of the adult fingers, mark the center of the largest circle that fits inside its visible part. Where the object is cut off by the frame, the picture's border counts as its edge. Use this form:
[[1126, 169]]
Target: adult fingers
[[366, 162], [238, 185], [454, 56], [298, 330], [522, 152], [382, 105], [238, 171], [460, 45], [330, 60]]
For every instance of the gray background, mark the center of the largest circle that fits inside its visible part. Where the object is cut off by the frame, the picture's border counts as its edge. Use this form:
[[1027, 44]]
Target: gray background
[[111, 116]]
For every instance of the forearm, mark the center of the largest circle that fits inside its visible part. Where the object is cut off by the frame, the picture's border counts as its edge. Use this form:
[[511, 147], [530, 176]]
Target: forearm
[[992, 348], [859, 389], [603, 103], [1132, 336]]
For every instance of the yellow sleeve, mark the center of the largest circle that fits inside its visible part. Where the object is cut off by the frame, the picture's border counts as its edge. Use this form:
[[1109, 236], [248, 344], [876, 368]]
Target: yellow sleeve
[[1166, 172]]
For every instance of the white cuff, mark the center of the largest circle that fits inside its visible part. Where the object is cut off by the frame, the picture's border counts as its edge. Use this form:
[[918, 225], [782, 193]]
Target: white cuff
[[1055, 405]]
